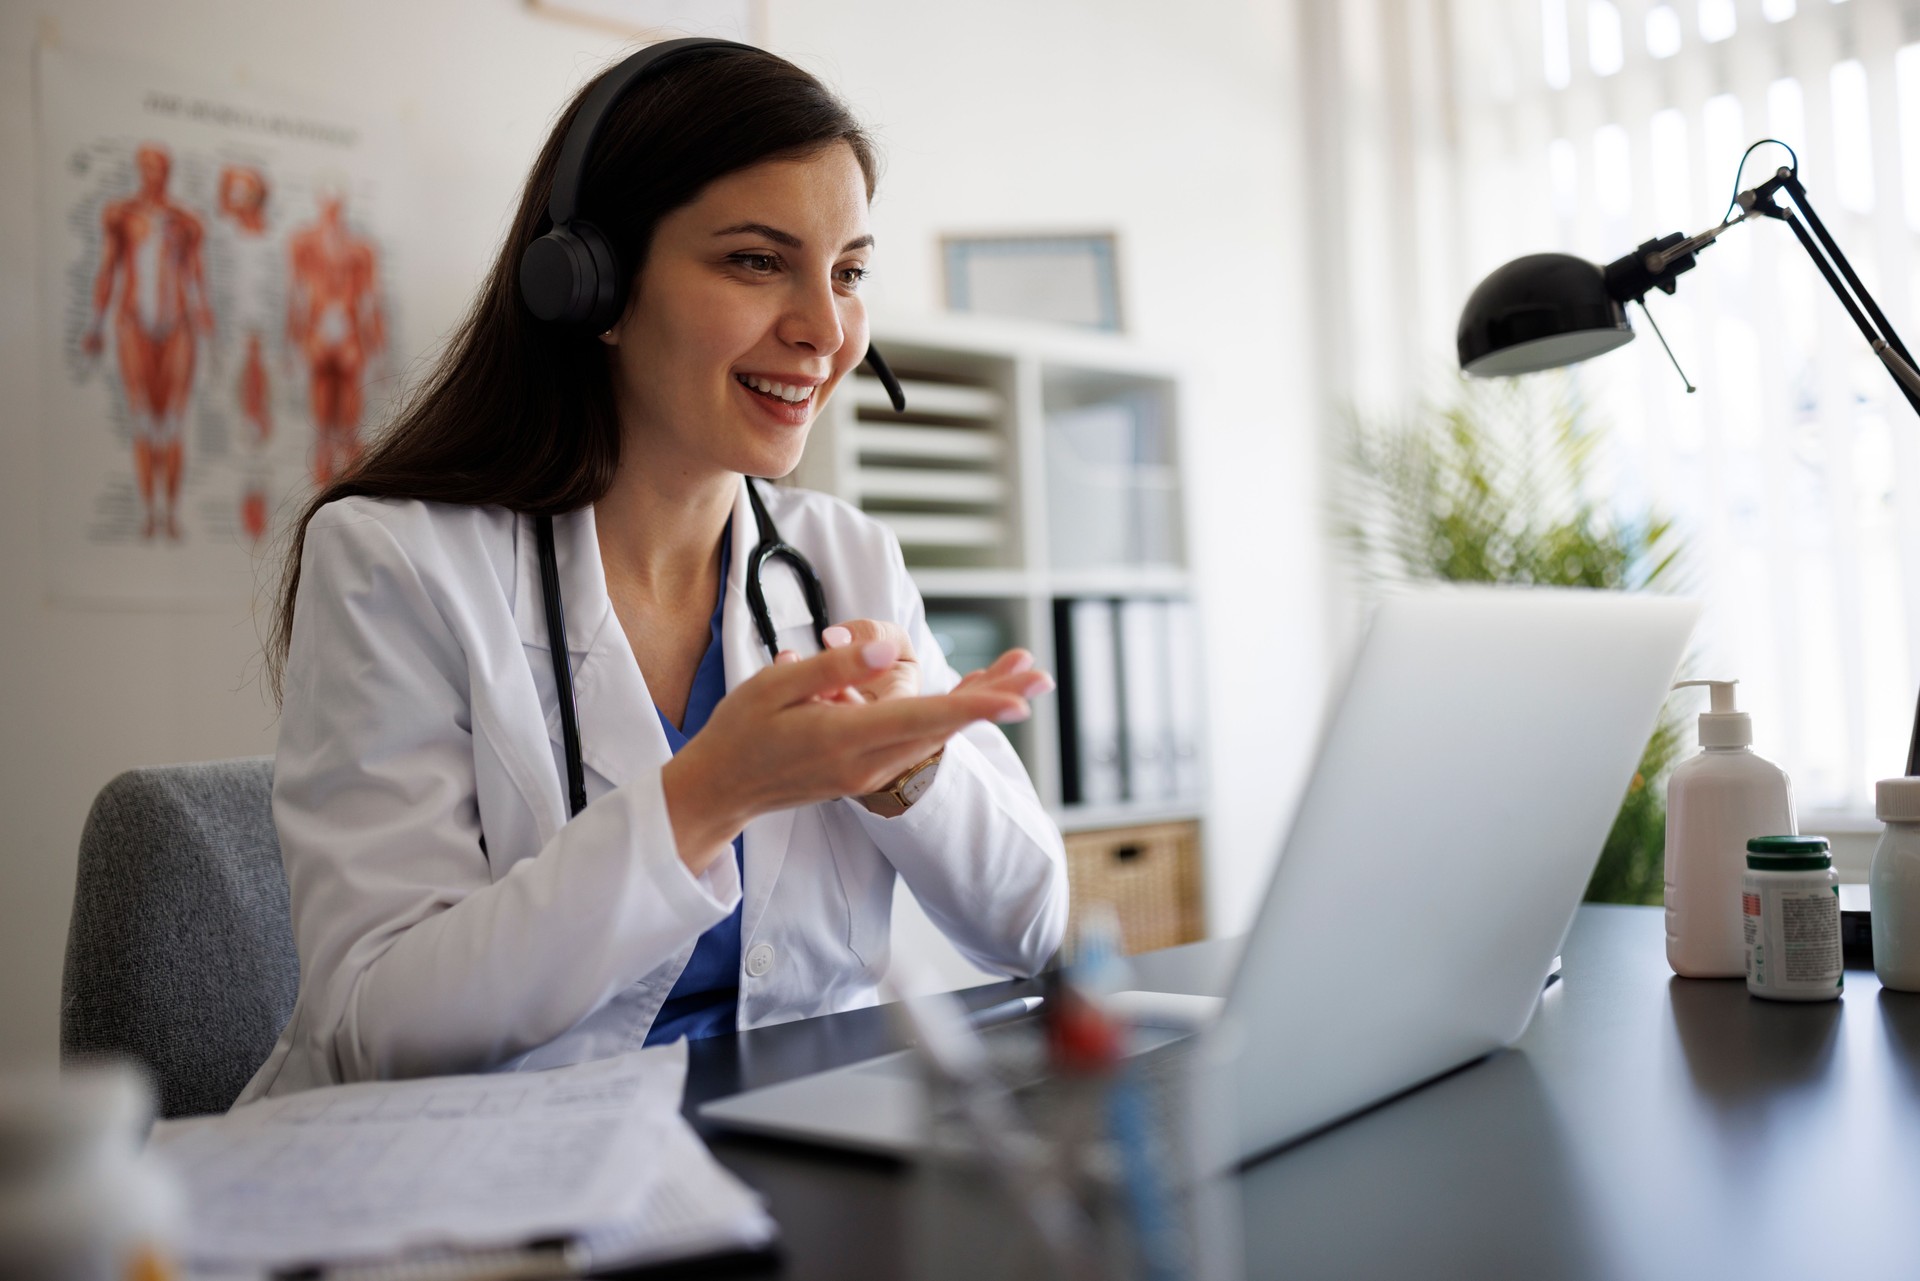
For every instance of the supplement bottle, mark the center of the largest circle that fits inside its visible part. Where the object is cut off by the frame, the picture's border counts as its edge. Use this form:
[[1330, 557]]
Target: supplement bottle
[[1790, 907]]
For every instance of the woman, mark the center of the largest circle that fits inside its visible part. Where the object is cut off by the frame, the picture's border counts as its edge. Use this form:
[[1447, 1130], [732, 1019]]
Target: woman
[[745, 819]]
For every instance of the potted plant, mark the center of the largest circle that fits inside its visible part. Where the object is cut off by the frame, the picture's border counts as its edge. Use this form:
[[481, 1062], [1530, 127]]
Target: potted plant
[[1500, 483]]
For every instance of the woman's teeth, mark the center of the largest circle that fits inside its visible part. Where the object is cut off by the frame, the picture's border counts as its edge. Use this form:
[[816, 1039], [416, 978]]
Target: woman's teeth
[[783, 391]]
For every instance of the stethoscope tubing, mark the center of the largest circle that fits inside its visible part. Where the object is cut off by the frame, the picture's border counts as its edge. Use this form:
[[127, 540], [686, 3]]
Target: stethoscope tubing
[[770, 547], [562, 668]]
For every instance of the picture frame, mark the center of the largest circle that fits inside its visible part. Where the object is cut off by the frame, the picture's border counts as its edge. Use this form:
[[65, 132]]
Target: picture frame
[[655, 20], [1069, 278]]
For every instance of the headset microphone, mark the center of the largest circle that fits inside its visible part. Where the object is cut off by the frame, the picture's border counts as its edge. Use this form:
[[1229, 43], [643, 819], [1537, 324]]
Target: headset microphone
[[572, 276]]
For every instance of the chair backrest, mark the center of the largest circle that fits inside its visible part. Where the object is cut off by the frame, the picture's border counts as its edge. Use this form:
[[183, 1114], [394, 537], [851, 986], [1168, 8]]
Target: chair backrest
[[181, 949]]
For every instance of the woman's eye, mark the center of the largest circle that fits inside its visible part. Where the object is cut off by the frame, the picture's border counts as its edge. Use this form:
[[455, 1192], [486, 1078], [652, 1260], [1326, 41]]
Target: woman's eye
[[759, 264], [852, 277]]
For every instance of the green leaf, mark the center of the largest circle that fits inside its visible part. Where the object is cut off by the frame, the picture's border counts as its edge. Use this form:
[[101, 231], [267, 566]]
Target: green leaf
[[1500, 482]]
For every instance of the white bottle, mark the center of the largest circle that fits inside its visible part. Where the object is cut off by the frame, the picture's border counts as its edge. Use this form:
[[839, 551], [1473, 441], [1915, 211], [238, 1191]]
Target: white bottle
[[1717, 802], [1895, 882], [78, 1201]]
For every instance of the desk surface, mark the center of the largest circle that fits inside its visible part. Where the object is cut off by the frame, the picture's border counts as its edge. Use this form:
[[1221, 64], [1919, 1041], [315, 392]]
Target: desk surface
[[1644, 1127]]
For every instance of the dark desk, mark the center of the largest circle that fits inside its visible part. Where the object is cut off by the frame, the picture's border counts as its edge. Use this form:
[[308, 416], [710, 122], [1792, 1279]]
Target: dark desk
[[1645, 1127]]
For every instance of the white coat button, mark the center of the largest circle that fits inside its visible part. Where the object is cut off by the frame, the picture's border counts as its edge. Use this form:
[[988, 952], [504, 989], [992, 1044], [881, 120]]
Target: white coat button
[[760, 959]]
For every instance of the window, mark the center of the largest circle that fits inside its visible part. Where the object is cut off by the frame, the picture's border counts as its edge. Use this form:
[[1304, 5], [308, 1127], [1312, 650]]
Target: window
[[1794, 472]]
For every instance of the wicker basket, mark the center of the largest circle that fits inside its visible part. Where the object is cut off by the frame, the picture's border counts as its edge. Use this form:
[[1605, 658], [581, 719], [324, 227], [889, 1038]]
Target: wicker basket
[[1151, 876]]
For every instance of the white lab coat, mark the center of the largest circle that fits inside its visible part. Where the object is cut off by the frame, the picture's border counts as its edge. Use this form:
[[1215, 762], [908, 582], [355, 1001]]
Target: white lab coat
[[447, 915]]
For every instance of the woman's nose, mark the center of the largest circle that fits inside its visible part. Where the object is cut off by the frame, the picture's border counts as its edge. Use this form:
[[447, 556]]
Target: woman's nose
[[812, 319]]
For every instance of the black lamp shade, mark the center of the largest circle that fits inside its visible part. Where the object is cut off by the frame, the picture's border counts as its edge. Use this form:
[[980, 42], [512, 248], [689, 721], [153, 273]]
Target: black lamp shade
[[1539, 312]]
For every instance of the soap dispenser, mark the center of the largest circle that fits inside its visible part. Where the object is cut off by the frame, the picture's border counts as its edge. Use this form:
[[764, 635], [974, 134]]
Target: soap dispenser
[[1716, 802]]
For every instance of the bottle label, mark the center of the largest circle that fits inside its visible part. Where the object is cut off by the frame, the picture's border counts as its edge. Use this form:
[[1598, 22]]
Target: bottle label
[[1792, 935]]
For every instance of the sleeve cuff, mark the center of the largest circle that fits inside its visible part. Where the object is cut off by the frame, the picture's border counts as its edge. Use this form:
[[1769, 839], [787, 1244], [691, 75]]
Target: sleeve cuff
[[706, 899]]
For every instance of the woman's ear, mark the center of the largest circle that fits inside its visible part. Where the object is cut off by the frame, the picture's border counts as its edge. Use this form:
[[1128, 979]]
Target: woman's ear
[[611, 337]]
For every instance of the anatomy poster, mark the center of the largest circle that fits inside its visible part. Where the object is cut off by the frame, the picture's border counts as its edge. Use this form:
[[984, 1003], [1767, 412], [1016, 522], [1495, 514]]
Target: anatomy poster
[[216, 321]]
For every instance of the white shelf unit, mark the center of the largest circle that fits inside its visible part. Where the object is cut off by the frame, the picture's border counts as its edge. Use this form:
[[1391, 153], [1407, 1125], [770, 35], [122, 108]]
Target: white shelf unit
[[963, 479]]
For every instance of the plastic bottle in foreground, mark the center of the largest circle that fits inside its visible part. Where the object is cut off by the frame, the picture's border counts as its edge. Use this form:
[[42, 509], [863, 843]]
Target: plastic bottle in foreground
[[1716, 802], [1895, 880], [78, 1201]]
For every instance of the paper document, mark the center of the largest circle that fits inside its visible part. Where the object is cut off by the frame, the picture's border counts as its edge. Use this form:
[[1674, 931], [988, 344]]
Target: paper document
[[596, 1153]]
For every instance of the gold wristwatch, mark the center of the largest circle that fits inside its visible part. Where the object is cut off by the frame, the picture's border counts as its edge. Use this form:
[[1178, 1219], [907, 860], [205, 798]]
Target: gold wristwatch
[[893, 800]]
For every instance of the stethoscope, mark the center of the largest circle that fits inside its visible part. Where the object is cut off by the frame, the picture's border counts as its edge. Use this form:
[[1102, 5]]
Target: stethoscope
[[770, 547]]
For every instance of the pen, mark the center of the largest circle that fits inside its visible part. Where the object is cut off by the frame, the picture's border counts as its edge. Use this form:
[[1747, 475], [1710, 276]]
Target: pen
[[1003, 1012]]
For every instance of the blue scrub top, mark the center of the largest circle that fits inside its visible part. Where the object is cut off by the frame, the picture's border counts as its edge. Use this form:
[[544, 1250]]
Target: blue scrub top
[[705, 998]]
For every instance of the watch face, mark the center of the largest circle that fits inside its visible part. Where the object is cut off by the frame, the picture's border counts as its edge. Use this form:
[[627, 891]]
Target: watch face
[[914, 788]]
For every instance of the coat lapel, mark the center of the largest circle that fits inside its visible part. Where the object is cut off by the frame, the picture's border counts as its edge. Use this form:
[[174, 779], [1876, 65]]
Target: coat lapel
[[620, 735]]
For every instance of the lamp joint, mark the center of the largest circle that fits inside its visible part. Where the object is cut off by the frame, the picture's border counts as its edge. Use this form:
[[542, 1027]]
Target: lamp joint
[[1654, 265]]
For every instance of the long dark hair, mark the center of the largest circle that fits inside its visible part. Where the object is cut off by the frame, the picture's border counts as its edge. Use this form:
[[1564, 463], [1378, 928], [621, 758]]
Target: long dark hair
[[518, 413]]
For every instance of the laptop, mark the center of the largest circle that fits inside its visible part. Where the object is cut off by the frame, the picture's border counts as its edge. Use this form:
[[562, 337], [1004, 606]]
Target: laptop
[[1459, 800]]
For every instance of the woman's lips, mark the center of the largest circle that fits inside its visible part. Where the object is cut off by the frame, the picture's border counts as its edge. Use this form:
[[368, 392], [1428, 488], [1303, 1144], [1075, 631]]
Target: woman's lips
[[786, 412]]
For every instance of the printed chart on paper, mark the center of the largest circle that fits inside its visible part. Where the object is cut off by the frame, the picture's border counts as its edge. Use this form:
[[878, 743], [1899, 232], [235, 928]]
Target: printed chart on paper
[[215, 327]]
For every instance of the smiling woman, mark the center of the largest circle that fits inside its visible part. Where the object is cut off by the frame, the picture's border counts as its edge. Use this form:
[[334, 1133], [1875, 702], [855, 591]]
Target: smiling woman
[[740, 811]]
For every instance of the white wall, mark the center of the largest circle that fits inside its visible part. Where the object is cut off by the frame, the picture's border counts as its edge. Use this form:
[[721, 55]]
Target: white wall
[[1175, 127]]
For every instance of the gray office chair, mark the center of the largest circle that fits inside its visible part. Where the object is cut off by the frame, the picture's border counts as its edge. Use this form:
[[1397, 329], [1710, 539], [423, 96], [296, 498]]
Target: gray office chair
[[181, 949]]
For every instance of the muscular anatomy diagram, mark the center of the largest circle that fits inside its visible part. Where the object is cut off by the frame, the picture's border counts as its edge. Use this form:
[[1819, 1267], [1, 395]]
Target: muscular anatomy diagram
[[243, 202], [151, 255], [334, 321], [243, 199]]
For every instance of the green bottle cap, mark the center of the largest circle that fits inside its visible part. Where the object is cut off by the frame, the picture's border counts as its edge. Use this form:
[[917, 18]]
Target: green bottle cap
[[1788, 854]]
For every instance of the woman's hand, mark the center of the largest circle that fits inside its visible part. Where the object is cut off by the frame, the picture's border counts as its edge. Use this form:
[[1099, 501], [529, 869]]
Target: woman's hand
[[902, 680], [1013, 670], [774, 743], [1013, 663]]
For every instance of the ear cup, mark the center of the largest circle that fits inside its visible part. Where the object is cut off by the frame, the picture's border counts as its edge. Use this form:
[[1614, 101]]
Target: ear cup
[[571, 276]]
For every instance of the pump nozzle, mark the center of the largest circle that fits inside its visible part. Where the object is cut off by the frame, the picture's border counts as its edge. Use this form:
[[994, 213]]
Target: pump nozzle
[[1722, 725]]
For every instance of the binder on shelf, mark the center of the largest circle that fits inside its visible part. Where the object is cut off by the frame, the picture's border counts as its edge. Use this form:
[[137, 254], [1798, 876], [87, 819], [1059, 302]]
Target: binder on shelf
[[1184, 698], [1093, 762], [1145, 700]]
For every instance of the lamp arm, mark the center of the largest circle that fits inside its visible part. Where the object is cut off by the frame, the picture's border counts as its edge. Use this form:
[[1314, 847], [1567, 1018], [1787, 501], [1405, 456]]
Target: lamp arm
[[1799, 194], [1846, 285], [1891, 354], [1905, 374], [1885, 343]]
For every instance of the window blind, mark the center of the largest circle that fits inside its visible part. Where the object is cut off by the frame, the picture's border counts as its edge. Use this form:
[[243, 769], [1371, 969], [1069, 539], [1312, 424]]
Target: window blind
[[1458, 134]]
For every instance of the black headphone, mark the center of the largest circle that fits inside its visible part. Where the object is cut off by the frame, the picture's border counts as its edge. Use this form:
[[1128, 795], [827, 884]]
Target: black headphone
[[571, 275]]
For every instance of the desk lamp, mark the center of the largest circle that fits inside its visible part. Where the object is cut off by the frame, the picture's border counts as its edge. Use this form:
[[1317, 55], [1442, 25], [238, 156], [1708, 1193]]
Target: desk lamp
[[1544, 311]]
